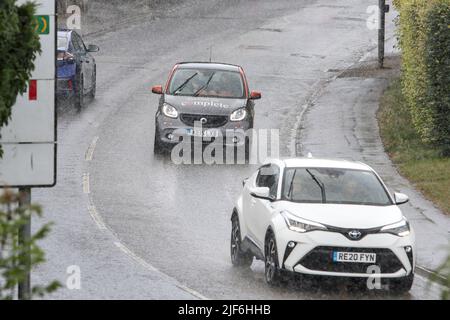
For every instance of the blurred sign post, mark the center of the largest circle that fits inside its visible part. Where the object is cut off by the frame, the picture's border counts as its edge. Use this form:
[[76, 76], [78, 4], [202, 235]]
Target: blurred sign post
[[29, 140], [383, 9]]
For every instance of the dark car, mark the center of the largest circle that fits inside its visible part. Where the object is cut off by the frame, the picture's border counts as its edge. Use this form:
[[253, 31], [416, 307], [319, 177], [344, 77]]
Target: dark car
[[76, 68], [214, 95]]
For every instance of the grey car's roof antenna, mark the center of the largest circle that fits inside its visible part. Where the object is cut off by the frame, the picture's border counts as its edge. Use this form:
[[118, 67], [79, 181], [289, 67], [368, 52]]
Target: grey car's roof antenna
[[210, 53]]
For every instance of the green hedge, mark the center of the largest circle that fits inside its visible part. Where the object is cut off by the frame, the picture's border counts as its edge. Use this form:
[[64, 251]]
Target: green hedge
[[424, 37]]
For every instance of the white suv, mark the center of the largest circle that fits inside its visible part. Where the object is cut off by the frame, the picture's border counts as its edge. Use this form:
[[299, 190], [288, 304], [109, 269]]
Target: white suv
[[323, 217]]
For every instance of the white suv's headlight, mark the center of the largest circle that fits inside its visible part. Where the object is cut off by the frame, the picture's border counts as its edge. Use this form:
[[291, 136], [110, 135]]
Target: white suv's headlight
[[297, 224], [400, 228], [169, 111], [238, 115]]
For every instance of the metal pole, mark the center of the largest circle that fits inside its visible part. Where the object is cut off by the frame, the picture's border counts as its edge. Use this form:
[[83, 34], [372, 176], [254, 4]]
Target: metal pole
[[24, 237], [381, 32]]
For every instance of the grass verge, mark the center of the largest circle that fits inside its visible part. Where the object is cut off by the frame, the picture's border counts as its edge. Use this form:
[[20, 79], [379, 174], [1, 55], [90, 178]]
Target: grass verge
[[419, 163]]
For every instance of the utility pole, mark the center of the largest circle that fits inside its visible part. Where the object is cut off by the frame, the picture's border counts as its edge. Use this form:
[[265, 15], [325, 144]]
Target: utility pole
[[24, 242], [383, 9]]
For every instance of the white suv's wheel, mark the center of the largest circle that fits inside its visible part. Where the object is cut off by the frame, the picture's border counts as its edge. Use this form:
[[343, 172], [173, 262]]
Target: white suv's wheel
[[272, 268], [238, 257]]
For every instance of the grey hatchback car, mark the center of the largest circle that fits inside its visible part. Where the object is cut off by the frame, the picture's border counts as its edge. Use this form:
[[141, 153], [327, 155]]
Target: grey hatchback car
[[204, 100]]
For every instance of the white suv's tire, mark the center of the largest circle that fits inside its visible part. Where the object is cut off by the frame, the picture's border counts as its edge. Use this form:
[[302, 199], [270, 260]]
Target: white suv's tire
[[272, 272], [238, 257]]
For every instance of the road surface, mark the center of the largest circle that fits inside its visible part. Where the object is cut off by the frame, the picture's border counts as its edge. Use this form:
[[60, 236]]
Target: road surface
[[139, 226]]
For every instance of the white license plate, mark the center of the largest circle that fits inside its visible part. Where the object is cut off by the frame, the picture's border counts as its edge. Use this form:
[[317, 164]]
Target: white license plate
[[208, 133], [361, 257]]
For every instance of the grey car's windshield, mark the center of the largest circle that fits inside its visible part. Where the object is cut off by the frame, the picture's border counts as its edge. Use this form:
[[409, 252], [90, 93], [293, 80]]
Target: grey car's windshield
[[207, 83], [329, 185]]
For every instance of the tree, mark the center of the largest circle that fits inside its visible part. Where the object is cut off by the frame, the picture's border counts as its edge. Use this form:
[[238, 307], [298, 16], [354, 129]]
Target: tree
[[17, 259], [19, 46]]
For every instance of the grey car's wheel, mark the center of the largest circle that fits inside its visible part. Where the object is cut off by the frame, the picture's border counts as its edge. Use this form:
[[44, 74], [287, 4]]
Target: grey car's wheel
[[272, 270], [94, 84], [79, 95], [158, 146], [238, 257], [401, 285], [247, 150]]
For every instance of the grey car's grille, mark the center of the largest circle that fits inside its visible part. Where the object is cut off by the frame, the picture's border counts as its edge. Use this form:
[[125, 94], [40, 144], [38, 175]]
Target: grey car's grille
[[212, 121]]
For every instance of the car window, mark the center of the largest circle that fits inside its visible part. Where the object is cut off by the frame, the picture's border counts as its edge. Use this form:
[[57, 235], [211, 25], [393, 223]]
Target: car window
[[207, 83], [74, 42], [78, 43], [62, 43], [329, 185], [268, 176]]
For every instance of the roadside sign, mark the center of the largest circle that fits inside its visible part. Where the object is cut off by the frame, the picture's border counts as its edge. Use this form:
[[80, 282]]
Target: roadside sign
[[42, 24], [29, 140]]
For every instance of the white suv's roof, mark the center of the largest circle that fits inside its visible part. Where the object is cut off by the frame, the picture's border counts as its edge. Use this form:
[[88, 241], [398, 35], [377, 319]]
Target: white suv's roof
[[324, 163]]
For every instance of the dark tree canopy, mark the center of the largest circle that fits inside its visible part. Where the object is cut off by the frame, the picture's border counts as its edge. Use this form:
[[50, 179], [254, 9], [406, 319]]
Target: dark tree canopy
[[19, 45]]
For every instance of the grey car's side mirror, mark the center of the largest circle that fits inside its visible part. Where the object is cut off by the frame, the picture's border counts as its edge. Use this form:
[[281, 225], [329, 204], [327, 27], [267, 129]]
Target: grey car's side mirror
[[93, 48], [261, 193], [400, 198]]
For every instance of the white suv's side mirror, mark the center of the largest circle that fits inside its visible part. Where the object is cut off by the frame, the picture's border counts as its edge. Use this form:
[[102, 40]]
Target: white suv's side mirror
[[400, 198], [261, 193]]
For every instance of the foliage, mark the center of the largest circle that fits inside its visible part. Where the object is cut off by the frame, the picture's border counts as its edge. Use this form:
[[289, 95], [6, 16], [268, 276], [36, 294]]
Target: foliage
[[442, 276], [424, 37], [16, 260], [419, 162], [19, 45]]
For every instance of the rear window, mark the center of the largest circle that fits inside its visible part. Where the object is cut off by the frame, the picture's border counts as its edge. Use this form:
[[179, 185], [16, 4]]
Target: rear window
[[207, 83], [62, 43]]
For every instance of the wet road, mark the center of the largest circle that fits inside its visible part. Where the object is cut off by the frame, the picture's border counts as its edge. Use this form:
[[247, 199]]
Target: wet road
[[175, 218]]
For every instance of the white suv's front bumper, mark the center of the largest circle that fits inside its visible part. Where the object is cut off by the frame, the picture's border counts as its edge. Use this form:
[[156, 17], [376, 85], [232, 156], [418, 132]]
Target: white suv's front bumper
[[390, 246]]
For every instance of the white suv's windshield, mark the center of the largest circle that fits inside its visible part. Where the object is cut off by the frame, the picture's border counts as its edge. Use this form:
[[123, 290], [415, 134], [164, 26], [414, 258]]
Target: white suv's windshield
[[207, 83], [329, 185]]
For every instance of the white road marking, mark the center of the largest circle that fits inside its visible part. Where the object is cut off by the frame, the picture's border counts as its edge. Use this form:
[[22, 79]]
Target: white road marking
[[96, 217], [90, 151], [294, 131], [86, 187], [192, 292], [149, 267]]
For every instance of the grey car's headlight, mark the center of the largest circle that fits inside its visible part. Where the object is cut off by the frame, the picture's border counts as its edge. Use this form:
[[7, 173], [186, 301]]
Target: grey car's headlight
[[169, 111], [400, 228], [238, 115], [297, 224]]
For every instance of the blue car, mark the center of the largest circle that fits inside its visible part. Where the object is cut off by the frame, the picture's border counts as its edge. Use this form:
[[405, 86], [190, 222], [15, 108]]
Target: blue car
[[76, 68]]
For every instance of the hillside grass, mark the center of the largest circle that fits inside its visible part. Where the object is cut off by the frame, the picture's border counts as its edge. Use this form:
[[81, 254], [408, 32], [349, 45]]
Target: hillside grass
[[419, 163]]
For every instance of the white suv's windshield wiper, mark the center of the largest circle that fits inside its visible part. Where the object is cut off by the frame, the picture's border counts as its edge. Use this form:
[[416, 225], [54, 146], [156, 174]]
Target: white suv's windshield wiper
[[291, 186], [320, 184]]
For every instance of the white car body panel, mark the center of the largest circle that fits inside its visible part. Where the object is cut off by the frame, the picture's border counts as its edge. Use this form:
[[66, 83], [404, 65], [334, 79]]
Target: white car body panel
[[344, 215]]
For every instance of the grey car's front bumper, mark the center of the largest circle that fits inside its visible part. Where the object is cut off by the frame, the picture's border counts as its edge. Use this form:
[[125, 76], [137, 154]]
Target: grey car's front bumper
[[171, 132]]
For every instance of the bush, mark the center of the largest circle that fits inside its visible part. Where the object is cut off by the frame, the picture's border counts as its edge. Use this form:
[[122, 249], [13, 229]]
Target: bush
[[424, 37], [17, 259]]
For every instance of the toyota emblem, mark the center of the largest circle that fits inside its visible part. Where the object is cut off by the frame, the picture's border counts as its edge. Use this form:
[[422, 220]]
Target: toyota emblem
[[354, 234]]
